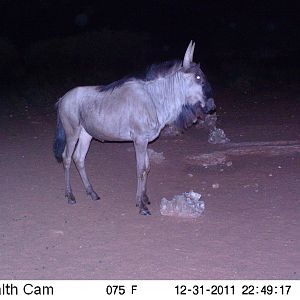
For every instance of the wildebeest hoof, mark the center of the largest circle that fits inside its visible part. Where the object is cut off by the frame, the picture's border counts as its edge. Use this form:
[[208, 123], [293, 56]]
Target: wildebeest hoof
[[71, 201], [71, 198], [145, 211], [94, 196]]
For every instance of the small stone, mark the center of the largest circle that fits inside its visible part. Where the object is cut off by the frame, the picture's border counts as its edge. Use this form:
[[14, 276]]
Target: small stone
[[215, 185]]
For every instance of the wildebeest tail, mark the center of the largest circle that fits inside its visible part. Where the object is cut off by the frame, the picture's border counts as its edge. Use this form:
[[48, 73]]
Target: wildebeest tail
[[59, 141]]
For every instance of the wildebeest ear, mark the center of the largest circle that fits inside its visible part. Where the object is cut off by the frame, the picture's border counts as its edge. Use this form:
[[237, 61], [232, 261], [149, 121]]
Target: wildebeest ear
[[188, 57]]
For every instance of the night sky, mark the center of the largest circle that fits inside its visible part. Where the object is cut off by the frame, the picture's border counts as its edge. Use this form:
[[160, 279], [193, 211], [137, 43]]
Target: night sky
[[231, 22], [235, 33]]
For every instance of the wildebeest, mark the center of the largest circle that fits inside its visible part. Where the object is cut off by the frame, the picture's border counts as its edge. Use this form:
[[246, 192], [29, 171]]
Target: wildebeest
[[135, 108]]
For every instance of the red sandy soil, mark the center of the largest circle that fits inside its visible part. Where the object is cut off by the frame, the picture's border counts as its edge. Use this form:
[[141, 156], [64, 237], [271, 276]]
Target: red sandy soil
[[249, 230]]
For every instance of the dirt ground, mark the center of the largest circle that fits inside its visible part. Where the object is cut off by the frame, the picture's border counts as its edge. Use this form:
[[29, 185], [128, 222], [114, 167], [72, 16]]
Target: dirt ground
[[249, 230]]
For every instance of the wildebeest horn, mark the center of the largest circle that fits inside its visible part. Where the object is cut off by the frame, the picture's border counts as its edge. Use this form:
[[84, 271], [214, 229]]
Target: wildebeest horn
[[189, 53]]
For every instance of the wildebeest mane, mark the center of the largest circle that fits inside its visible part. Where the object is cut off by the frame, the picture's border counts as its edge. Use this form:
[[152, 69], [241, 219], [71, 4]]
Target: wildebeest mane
[[163, 69], [152, 72]]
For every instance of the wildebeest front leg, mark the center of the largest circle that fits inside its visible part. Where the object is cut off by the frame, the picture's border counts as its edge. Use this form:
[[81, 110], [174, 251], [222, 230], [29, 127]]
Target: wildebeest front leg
[[143, 167]]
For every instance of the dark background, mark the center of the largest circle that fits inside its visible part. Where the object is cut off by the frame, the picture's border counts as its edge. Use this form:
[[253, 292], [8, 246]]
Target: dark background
[[54, 45]]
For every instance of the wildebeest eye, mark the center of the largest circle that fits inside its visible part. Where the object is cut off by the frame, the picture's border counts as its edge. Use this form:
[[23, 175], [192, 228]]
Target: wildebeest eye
[[198, 77]]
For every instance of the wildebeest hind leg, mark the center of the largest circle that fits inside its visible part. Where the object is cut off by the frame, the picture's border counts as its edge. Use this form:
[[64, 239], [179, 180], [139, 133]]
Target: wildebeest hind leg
[[79, 157], [71, 140]]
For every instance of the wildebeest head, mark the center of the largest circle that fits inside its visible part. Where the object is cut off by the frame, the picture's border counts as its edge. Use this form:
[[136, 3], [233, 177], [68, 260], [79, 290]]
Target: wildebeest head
[[198, 93]]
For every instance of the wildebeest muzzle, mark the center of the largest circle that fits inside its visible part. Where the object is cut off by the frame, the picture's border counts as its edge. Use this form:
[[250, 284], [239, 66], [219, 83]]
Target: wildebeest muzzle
[[209, 106], [209, 100]]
